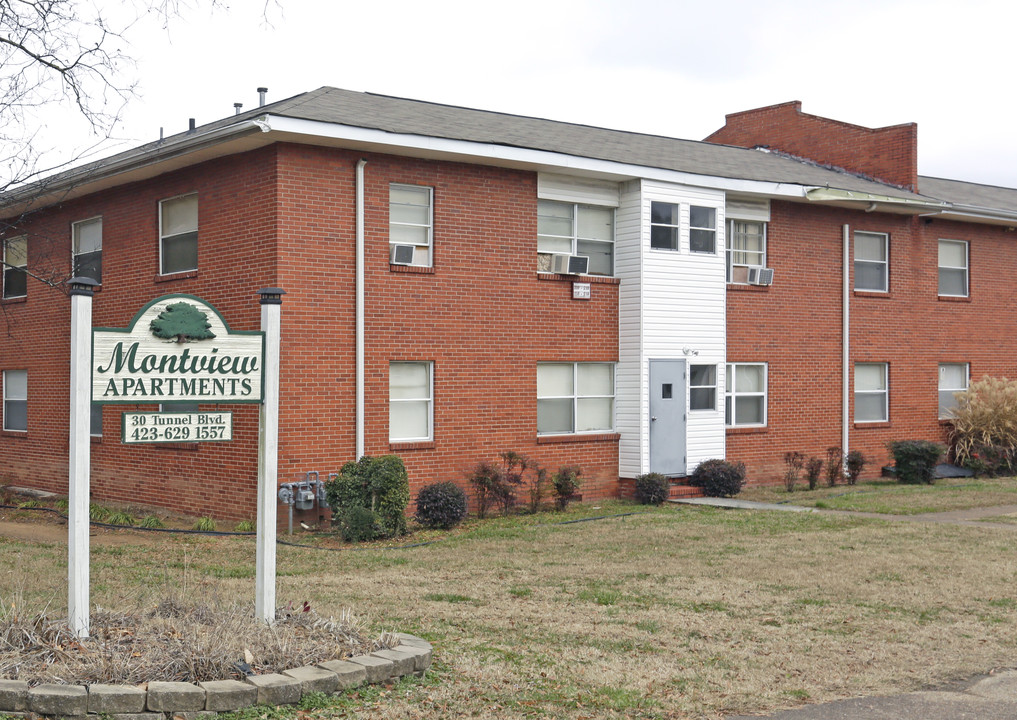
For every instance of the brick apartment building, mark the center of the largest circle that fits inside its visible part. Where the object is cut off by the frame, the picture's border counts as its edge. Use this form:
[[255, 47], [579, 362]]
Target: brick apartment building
[[622, 301]]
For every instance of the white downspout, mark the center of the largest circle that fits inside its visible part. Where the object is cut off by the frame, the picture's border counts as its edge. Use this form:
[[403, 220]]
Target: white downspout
[[845, 398], [360, 309]]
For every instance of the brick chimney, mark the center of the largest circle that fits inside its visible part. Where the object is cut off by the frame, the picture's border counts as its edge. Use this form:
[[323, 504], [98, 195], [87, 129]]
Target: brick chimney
[[889, 154]]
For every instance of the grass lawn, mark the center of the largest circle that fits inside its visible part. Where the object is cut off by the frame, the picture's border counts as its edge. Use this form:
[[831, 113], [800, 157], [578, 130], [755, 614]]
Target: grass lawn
[[891, 497], [670, 612]]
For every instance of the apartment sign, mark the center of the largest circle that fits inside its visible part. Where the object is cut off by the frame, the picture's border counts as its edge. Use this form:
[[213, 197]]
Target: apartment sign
[[177, 349]]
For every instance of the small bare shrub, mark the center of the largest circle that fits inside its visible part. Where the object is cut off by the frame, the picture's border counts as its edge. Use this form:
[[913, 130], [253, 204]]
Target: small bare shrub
[[813, 469], [855, 462], [834, 465], [794, 461]]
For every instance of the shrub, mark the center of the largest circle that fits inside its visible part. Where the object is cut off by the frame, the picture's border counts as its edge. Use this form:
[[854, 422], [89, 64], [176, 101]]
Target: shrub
[[495, 484], [378, 484], [564, 484], [984, 435], [205, 524], [794, 462], [441, 505], [719, 478], [652, 489], [834, 465], [915, 460], [486, 480], [855, 463], [359, 524], [813, 469]]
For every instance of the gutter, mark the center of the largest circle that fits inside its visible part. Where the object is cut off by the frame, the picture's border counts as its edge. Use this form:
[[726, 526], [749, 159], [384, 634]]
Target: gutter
[[131, 160], [873, 201]]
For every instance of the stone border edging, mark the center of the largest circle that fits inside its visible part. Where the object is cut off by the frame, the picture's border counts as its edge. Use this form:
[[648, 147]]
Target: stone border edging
[[169, 700]]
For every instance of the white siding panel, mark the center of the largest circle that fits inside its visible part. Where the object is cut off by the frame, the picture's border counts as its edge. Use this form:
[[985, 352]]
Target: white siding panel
[[575, 189], [684, 311], [629, 389]]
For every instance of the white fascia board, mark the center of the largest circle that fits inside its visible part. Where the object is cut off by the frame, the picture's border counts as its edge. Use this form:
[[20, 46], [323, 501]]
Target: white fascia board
[[973, 213], [521, 158]]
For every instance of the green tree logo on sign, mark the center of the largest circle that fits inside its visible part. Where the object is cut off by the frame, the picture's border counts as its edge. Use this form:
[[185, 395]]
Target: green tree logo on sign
[[182, 322]]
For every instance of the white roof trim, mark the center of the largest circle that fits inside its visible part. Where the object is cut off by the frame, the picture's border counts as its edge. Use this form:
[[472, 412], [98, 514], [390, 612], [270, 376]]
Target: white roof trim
[[522, 158]]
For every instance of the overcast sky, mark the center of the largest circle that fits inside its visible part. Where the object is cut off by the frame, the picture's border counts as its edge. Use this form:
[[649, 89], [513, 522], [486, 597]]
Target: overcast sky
[[671, 68]]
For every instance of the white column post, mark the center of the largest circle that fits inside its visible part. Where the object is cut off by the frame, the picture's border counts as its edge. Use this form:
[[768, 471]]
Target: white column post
[[79, 455], [268, 457]]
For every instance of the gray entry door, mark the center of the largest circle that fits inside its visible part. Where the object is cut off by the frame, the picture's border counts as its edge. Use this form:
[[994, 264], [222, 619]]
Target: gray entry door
[[667, 417]]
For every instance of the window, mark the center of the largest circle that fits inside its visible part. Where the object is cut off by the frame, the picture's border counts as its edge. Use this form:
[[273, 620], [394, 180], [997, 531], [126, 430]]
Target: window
[[702, 229], [86, 249], [574, 229], [178, 233], [16, 400], [953, 268], [745, 394], [953, 378], [95, 420], [410, 220], [703, 387], [575, 398], [665, 226], [871, 261], [409, 401], [871, 392], [746, 247], [15, 267]]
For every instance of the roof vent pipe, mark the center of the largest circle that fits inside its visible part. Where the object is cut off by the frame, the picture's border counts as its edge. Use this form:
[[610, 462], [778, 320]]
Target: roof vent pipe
[[190, 125], [261, 96], [236, 108]]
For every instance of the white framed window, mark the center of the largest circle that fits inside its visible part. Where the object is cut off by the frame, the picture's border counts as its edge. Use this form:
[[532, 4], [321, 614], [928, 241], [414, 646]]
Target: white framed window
[[178, 234], [411, 220], [702, 387], [953, 268], [746, 247], [16, 400], [574, 229], [86, 249], [575, 398], [872, 261], [95, 420], [872, 392], [953, 379], [665, 225], [745, 394], [15, 267], [702, 229], [410, 406]]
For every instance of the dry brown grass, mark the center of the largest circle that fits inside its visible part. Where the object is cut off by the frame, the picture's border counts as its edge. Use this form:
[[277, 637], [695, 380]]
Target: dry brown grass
[[671, 613]]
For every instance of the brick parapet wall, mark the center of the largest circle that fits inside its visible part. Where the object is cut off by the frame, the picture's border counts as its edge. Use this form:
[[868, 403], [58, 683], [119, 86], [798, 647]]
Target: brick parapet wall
[[889, 153]]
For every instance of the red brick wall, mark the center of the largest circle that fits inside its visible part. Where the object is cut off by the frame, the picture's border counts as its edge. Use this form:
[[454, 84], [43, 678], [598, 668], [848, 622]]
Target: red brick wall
[[795, 326], [284, 216], [889, 153]]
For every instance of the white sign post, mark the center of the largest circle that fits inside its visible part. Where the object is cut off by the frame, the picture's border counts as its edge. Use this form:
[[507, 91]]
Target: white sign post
[[79, 457], [268, 458]]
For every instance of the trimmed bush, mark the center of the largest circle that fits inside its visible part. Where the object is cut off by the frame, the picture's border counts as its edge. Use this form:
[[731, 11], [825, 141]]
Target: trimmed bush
[[359, 524], [915, 460], [564, 484], [719, 478], [834, 465], [441, 505], [652, 489], [379, 484]]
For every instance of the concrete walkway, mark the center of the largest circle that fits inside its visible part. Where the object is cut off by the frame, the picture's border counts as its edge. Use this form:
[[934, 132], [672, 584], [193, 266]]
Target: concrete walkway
[[971, 517], [984, 698]]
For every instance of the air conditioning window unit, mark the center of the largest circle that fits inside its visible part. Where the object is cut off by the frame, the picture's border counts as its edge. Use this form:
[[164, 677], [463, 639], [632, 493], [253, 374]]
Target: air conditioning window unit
[[401, 254], [570, 264], [760, 276]]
